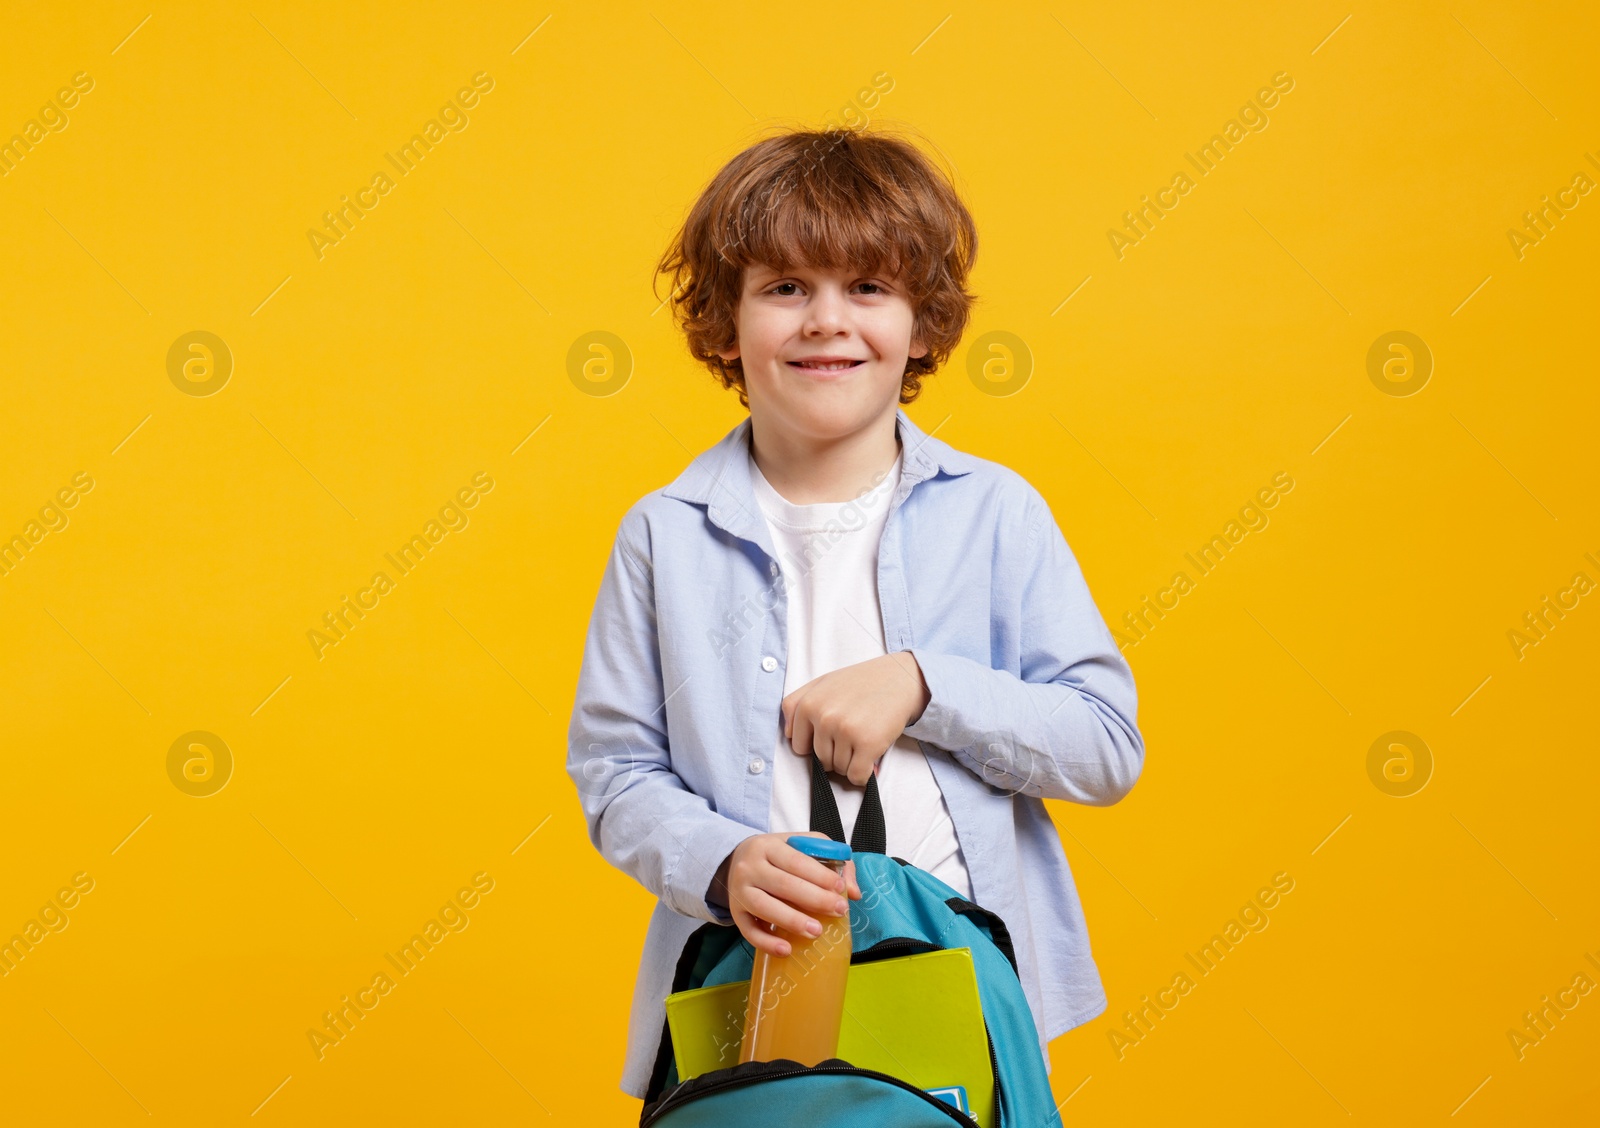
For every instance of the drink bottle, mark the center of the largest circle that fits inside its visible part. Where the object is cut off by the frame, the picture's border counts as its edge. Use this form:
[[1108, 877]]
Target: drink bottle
[[796, 1001]]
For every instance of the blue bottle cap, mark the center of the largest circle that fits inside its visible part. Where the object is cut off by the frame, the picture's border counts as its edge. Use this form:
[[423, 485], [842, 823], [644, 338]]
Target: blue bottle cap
[[825, 848]]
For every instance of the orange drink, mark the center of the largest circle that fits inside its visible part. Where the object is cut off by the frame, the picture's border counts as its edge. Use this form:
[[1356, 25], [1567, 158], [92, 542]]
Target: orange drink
[[797, 1001]]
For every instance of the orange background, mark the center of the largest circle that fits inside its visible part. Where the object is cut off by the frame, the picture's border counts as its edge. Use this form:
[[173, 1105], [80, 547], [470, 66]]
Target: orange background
[[363, 788]]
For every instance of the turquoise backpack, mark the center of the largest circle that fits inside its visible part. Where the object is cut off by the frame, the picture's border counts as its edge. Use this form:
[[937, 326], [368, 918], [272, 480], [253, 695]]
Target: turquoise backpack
[[911, 911]]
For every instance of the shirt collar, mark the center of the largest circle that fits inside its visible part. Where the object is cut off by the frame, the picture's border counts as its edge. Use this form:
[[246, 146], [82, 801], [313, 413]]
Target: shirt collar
[[719, 478]]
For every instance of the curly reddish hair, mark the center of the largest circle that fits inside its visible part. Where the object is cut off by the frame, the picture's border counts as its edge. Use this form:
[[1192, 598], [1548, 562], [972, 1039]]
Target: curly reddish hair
[[833, 199]]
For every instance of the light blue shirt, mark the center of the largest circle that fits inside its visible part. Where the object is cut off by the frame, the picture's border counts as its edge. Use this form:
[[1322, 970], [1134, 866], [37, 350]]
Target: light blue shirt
[[678, 702]]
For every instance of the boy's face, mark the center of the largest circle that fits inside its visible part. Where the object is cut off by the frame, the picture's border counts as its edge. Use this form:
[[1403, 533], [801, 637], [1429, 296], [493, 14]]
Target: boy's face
[[788, 322]]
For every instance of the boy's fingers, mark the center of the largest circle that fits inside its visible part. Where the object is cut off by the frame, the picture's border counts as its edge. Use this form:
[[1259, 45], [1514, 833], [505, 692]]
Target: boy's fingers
[[799, 893], [850, 881], [755, 930], [739, 901], [785, 916], [769, 942], [797, 718], [793, 861], [793, 717], [833, 881], [859, 768], [801, 735], [824, 745]]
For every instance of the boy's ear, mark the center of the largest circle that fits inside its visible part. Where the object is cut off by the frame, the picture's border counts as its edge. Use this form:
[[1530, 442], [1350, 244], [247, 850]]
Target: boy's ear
[[730, 353], [918, 349]]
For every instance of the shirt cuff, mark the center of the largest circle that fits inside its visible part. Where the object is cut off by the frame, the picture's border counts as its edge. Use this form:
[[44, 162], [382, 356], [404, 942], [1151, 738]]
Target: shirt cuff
[[717, 895], [935, 723], [698, 861]]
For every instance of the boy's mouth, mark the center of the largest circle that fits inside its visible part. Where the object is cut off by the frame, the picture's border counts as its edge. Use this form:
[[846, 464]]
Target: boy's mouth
[[817, 366]]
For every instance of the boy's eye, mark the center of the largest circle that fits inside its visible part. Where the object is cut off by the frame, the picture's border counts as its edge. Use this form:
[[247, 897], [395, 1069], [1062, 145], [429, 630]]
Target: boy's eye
[[785, 289]]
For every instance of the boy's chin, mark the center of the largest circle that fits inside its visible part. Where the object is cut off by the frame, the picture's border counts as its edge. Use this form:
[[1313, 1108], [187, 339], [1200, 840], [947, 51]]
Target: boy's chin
[[824, 413]]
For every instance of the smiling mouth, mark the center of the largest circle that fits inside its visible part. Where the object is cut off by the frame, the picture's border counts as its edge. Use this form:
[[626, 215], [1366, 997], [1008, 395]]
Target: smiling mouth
[[830, 368]]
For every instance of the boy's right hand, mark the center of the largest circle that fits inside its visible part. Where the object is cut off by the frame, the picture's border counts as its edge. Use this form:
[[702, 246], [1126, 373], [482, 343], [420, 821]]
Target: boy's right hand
[[770, 882]]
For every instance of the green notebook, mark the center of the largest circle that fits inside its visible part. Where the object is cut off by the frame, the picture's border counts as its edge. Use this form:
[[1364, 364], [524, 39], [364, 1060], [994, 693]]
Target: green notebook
[[917, 1018]]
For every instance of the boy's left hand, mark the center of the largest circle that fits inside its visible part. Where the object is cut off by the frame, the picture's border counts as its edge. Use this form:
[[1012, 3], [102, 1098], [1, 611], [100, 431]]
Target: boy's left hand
[[850, 716]]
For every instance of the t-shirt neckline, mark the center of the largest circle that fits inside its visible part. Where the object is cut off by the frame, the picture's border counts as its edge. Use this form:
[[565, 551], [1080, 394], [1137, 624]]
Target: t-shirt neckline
[[824, 514]]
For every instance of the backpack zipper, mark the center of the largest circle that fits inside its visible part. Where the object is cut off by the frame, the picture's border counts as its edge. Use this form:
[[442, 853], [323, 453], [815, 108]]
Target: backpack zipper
[[669, 1104], [892, 947]]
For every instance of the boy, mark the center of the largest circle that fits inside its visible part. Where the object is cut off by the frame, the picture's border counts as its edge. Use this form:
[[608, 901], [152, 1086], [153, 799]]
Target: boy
[[830, 579]]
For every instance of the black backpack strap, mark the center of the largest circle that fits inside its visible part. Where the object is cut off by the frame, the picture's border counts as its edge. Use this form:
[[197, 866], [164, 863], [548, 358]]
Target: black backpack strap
[[989, 922], [868, 836]]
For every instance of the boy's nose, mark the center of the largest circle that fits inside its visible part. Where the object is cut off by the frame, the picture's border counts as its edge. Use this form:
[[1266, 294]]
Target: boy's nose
[[825, 313]]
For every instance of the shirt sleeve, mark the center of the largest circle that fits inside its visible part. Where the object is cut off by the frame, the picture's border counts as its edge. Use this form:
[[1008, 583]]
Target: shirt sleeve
[[1066, 728], [641, 816]]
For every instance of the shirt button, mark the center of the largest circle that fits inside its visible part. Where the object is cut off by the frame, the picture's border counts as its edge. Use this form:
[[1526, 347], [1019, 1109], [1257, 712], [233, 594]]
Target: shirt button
[[769, 663], [757, 766]]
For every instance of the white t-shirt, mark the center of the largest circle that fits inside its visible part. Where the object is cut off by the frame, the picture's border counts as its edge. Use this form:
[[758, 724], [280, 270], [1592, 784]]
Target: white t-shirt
[[828, 553]]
